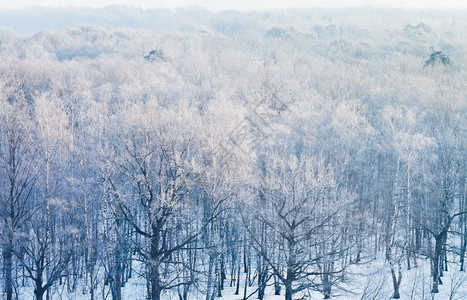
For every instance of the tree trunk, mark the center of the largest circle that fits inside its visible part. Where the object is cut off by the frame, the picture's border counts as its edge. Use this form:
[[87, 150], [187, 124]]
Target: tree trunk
[[462, 253], [116, 283], [154, 266], [223, 271], [288, 285], [219, 281], [291, 261], [326, 286], [8, 269], [39, 293], [237, 288], [396, 282], [277, 286], [210, 271], [155, 288], [437, 255], [262, 281], [39, 290], [245, 287]]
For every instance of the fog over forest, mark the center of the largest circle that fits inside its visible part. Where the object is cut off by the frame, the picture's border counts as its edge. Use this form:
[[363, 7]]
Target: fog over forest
[[270, 154]]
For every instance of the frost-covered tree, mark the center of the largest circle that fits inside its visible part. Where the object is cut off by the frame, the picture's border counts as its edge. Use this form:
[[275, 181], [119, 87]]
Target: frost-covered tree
[[300, 204], [18, 175]]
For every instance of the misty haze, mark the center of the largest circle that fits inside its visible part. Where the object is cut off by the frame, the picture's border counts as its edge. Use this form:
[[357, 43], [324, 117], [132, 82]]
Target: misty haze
[[260, 152]]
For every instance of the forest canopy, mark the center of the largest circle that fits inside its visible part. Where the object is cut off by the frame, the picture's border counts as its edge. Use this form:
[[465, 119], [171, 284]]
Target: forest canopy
[[159, 154]]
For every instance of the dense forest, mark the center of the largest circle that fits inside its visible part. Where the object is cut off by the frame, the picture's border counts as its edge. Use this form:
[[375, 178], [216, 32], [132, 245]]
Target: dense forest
[[255, 154]]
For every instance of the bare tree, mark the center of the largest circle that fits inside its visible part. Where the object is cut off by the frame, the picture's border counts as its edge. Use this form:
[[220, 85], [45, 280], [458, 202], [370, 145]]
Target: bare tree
[[301, 202], [18, 175]]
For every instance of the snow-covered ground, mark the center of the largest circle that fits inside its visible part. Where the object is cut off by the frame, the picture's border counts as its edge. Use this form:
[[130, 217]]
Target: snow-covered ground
[[369, 281], [373, 282]]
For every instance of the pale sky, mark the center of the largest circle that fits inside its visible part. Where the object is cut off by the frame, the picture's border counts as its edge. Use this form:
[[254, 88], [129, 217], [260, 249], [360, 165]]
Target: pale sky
[[234, 4]]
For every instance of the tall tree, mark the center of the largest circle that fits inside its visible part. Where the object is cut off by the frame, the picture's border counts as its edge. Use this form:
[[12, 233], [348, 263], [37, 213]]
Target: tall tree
[[18, 175], [301, 202]]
